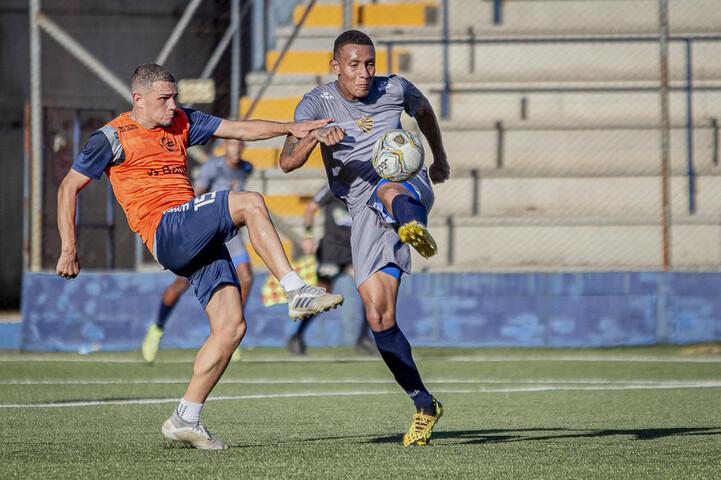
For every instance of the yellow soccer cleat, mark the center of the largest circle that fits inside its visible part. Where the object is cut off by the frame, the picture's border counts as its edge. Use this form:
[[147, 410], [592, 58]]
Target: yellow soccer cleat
[[417, 236], [237, 356], [152, 343], [422, 427]]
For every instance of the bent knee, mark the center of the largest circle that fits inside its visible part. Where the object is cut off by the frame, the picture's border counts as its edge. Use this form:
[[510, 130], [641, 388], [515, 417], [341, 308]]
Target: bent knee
[[380, 319], [231, 331], [245, 204]]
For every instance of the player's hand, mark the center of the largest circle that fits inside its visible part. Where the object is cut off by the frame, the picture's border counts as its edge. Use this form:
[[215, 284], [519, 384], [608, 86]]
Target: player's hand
[[68, 265], [329, 135], [301, 129], [439, 170], [308, 246]]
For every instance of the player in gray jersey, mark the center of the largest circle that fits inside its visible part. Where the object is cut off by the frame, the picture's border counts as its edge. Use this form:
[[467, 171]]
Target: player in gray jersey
[[387, 216], [229, 172]]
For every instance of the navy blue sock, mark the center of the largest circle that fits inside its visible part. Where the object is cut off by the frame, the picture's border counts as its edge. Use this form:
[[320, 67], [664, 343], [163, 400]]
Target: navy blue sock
[[163, 313], [396, 352], [406, 209]]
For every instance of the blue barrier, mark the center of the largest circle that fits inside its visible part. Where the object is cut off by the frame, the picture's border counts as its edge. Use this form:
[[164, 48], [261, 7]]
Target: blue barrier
[[10, 335], [110, 311]]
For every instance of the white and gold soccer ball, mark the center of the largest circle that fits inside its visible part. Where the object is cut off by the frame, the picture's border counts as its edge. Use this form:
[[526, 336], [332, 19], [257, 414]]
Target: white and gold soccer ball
[[398, 155]]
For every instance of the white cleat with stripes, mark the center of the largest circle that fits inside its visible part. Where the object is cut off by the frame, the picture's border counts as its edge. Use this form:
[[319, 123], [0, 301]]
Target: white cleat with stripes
[[309, 300], [194, 434]]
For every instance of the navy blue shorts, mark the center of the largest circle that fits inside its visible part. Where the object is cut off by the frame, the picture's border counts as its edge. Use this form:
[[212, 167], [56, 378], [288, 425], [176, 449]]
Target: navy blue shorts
[[190, 242]]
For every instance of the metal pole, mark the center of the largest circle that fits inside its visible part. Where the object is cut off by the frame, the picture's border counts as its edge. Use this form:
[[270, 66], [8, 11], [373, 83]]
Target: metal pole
[[665, 135], [497, 12], [110, 224], [714, 141], [177, 31], [76, 152], [235, 58], [84, 56], [36, 158], [348, 14], [689, 131], [446, 75], [500, 144], [27, 155]]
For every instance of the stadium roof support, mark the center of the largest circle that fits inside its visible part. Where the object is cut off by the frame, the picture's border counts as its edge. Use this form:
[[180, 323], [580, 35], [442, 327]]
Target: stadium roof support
[[39, 21]]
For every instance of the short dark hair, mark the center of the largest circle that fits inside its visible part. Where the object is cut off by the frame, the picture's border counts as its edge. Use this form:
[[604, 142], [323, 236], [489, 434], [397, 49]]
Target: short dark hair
[[351, 37], [149, 73]]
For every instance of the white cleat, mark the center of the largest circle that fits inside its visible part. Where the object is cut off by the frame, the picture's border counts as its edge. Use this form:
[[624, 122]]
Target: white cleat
[[308, 300], [193, 434]]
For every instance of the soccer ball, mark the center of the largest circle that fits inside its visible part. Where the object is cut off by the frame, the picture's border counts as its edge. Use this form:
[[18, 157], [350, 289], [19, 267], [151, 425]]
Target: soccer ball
[[397, 155]]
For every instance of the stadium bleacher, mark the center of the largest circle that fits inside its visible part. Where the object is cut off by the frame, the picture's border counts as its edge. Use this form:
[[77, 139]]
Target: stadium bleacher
[[554, 142]]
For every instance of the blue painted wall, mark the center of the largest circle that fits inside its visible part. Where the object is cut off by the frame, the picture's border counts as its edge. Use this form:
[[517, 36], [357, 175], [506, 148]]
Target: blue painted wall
[[110, 311]]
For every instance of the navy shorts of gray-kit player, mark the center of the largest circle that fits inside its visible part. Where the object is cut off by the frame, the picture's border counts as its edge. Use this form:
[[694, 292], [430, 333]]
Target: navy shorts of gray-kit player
[[190, 242]]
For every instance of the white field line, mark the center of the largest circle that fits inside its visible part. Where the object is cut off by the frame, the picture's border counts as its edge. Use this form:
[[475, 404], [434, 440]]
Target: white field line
[[540, 388], [23, 358], [350, 381]]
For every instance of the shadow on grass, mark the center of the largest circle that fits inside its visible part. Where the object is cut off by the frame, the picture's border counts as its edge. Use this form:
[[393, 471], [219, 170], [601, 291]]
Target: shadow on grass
[[532, 434]]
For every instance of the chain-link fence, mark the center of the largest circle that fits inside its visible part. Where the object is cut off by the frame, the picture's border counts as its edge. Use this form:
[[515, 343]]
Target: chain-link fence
[[552, 122], [551, 112], [551, 117]]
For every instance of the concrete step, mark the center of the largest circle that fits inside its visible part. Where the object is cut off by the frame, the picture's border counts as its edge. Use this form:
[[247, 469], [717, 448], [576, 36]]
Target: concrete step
[[576, 152], [583, 16], [549, 62], [605, 59], [571, 106], [316, 62], [517, 244], [386, 14]]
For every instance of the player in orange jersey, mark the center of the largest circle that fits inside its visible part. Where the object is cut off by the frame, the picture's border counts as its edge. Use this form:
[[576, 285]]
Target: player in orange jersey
[[144, 154]]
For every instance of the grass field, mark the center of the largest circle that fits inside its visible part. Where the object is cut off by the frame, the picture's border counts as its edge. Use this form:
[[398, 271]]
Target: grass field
[[621, 413]]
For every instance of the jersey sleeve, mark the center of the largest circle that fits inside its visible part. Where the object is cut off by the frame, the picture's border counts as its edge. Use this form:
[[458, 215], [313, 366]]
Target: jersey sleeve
[[95, 156], [306, 110], [412, 97], [202, 126], [205, 176], [324, 196]]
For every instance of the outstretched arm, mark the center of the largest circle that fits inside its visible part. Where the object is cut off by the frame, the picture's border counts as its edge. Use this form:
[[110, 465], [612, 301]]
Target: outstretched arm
[[262, 129], [439, 170], [68, 264], [297, 150]]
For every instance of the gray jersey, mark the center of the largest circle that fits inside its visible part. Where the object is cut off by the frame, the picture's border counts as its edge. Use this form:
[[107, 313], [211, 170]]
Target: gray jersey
[[215, 175], [348, 164]]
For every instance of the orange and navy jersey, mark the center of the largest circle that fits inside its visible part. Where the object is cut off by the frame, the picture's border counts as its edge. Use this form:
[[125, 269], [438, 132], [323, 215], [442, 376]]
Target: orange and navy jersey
[[148, 168]]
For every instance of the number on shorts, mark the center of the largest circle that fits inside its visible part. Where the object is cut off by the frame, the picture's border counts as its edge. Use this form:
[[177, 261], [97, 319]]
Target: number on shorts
[[205, 199]]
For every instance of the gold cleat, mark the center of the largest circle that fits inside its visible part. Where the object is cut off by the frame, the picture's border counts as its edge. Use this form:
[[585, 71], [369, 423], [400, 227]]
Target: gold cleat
[[417, 236], [422, 427]]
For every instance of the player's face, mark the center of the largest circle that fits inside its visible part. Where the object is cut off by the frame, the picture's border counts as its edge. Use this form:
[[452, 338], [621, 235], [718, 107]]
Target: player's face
[[233, 151], [158, 103], [355, 67]]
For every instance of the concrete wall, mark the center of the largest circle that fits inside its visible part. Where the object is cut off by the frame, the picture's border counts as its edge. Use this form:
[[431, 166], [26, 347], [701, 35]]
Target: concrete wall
[[112, 311]]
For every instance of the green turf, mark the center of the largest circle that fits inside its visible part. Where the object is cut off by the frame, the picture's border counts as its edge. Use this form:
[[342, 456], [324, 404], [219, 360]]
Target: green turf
[[525, 414]]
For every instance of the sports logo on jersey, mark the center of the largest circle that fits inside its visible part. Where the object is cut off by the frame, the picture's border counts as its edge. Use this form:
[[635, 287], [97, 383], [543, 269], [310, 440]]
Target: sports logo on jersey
[[365, 124], [327, 96], [167, 143]]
